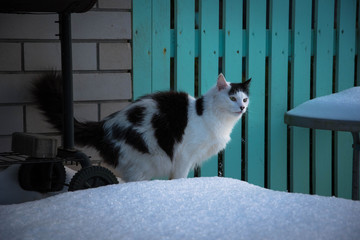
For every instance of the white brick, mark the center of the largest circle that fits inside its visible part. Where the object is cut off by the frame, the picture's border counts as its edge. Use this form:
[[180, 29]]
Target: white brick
[[84, 56], [86, 111], [35, 121], [108, 108], [101, 25], [119, 4], [115, 56], [11, 119], [10, 57], [104, 86], [5, 143], [42, 56], [28, 26], [45, 56], [14, 88]]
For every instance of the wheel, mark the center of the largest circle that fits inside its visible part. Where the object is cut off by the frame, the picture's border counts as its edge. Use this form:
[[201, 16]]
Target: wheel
[[92, 177], [42, 177]]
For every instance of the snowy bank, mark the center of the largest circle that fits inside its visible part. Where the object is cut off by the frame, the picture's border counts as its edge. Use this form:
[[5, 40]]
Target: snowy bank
[[197, 208]]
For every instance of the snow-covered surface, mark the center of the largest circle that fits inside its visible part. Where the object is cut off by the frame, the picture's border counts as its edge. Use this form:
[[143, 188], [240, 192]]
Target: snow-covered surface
[[197, 208], [344, 105]]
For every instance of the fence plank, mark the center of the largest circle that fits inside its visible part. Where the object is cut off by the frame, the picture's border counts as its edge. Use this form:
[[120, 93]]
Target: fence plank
[[323, 65], [185, 46], [141, 48], [184, 57], [344, 79], [300, 92], [208, 60], [232, 68], [358, 47], [255, 120], [277, 100], [160, 45]]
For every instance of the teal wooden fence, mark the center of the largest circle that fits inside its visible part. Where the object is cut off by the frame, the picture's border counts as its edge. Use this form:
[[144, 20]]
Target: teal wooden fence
[[293, 50]]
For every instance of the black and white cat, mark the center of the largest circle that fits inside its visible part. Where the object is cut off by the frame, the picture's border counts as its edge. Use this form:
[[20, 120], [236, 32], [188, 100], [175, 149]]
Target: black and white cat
[[164, 134]]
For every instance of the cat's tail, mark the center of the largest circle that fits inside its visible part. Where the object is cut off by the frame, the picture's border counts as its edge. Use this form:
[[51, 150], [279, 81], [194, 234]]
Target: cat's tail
[[47, 92]]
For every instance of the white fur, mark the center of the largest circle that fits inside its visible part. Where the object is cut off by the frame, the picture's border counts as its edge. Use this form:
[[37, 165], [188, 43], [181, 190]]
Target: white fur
[[204, 136]]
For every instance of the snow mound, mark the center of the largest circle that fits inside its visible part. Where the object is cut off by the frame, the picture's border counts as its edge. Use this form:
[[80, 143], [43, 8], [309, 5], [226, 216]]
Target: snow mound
[[343, 105], [196, 208]]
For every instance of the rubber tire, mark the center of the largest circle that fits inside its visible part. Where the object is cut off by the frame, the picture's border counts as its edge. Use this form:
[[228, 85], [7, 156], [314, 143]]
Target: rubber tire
[[35, 177], [92, 177]]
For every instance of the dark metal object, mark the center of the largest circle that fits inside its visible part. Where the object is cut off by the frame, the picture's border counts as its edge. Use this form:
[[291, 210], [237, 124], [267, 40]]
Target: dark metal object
[[49, 168], [355, 172], [319, 122], [42, 177], [92, 177], [10, 158], [66, 64], [74, 155], [197, 171], [221, 164], [53, 6]]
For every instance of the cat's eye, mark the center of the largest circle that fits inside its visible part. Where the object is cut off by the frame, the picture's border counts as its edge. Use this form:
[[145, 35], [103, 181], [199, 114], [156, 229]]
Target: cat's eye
[[233, 99], [245, 100]]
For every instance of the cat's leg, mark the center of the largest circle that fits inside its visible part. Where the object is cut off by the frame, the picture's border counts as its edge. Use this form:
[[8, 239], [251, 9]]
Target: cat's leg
[[181, 169]]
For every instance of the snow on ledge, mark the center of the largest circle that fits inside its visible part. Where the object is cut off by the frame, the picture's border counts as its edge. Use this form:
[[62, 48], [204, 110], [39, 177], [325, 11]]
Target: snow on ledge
[[196, 208], [343, 105]]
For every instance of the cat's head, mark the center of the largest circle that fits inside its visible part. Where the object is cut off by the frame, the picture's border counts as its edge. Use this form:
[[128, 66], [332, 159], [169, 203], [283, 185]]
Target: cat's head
[[232, 98]]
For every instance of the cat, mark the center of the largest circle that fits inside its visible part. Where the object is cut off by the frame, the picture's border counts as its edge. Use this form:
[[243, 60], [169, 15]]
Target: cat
[[164, 134]]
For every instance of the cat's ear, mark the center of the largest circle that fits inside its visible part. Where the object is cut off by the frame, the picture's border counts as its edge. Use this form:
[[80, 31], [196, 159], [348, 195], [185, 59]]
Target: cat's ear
[[221, 82], [246, 84]]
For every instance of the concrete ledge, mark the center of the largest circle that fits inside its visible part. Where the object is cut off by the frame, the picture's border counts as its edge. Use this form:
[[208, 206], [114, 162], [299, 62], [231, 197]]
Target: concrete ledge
[[34, 145]]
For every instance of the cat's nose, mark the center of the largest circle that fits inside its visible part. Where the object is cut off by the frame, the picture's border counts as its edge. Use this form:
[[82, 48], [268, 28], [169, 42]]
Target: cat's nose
[[242, 108]]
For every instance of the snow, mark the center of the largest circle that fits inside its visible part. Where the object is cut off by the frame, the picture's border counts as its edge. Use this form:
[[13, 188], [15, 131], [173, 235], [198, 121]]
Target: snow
[[343, 105], [194, 208]]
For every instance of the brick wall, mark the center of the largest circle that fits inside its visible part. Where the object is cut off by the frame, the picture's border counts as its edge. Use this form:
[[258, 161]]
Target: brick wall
[[101, 63]]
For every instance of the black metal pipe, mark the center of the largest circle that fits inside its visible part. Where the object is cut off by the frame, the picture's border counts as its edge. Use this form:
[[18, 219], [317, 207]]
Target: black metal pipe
[[66, 64], [355, 174]]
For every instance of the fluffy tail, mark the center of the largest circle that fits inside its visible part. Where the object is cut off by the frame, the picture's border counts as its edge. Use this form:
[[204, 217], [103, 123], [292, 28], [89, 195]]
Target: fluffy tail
[[47, 92]]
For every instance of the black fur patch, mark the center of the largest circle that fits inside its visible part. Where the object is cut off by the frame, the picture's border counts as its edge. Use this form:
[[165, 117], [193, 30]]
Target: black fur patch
[[237, 87], [88, 133], [172, 119], [199, 106], [93, 134], [109, 152], [131, 137], [136, 115], [47, 92]]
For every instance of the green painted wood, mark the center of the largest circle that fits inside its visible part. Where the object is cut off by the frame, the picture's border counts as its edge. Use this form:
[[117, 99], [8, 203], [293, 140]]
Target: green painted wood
[[323, 63], [185, 46], [300, 92], [255, 118], [160, 79], [345, 67], [141, 48], [232, 68], [358, 48], [245, 43], [151, 70], [277, 100], [208, 60]]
